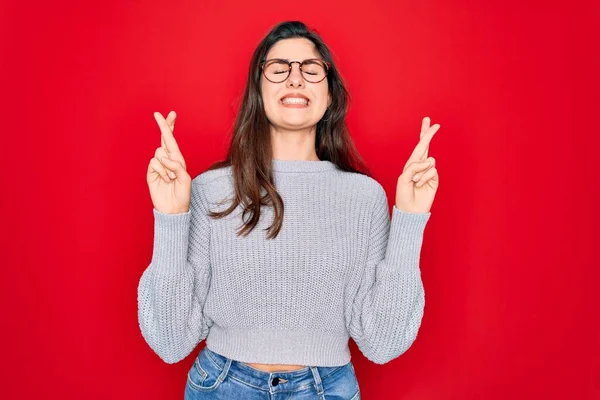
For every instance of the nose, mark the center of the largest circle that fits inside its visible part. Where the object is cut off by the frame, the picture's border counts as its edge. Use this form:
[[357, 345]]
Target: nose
[[295, 79]]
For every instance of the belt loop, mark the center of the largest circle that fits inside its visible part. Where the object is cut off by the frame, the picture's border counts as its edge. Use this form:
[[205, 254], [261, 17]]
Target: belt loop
[[318, 383]]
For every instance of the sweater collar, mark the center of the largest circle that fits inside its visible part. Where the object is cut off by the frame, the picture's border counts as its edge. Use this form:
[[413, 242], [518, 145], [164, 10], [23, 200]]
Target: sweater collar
[[302, 165]]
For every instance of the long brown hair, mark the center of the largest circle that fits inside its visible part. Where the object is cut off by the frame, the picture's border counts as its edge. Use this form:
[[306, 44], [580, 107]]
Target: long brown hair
[[250, 152]]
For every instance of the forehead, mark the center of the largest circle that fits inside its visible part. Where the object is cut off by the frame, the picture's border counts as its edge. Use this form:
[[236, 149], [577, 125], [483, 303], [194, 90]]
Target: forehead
[[293, 49]]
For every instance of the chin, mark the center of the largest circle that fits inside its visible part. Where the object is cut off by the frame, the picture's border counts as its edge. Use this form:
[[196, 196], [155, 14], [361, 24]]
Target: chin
[[297, 124]]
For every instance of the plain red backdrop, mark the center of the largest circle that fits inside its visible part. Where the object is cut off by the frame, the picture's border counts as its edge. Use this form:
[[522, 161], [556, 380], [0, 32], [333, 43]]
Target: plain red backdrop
[[509, 310]]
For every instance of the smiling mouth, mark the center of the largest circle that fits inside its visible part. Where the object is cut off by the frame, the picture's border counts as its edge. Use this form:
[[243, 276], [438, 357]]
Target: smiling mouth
[[294, 101]]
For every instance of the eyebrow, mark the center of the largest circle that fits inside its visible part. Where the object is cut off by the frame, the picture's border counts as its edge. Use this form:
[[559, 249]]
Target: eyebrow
[[287, 59]]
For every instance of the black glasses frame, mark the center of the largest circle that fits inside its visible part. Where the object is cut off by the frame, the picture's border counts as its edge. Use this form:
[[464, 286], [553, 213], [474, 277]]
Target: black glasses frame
[[300, 64]]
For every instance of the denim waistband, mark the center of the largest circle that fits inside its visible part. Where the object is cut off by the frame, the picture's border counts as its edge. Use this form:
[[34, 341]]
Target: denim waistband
[[291, 380]]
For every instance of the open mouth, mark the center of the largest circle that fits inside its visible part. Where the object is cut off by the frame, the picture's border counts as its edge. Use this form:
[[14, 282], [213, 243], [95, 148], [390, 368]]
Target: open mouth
[[295, 101]]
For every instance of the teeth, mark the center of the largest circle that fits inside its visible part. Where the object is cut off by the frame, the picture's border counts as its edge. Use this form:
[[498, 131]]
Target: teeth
[[294, 100]]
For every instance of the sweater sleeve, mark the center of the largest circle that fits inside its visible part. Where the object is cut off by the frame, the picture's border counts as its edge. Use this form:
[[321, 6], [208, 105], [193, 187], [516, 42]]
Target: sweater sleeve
[[173, 288], [388, 297]]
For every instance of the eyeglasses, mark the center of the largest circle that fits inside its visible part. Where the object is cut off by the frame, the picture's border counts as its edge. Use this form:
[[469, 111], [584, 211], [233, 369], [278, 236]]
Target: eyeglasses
[[277, 70]]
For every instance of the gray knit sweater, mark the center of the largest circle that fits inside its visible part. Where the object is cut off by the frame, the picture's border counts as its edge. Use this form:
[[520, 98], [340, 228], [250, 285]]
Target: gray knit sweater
[[338, 269]]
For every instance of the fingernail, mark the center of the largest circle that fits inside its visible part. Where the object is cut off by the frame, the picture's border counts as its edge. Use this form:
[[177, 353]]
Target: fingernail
[[171, 174], [416, 177]]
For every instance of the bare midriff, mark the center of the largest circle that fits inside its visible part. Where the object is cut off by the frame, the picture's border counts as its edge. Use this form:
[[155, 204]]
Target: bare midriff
[[275, 367]]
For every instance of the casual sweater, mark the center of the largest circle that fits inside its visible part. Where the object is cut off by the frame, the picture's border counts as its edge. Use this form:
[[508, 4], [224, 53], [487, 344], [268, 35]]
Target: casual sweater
[[339, 268]]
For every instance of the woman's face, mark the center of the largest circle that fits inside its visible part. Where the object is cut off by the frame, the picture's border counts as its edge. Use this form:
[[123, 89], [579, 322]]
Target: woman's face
[[294, 116]]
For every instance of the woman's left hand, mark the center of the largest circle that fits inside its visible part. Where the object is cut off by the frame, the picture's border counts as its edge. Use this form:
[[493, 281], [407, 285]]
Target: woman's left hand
[[419, 180]]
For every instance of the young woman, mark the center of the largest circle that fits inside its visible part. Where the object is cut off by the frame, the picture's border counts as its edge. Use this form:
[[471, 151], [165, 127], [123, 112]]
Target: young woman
[[283, 251]]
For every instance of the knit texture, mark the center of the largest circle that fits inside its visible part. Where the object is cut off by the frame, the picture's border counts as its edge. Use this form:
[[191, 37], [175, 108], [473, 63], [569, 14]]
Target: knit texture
[[339, 268]]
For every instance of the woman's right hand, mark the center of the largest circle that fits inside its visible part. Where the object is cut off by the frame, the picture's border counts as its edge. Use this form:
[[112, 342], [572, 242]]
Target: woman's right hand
[[169, 183]]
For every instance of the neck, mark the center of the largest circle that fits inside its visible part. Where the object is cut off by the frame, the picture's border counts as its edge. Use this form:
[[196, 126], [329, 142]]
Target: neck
[[294, 144]]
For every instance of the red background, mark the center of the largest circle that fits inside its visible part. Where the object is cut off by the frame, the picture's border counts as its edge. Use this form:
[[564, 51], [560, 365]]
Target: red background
[[506, 259]]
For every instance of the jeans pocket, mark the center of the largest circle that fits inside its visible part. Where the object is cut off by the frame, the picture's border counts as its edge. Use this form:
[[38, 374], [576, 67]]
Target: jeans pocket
[[342, 383], [205, 375]]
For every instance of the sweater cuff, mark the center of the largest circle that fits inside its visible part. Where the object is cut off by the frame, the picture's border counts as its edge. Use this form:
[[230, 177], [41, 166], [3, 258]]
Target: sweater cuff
[[171, 238], [405, 238]]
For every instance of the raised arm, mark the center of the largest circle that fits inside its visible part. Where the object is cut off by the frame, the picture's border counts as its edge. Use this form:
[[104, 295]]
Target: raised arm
[[173, 288], [386, 297]]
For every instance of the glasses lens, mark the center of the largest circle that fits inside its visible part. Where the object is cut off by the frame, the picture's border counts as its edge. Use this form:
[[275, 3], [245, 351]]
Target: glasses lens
[[314, 70], [276, 71]]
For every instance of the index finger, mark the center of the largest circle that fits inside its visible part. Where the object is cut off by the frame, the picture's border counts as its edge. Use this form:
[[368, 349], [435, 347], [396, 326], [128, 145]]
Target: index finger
[[167, 139], [420, 151], [171, 124]]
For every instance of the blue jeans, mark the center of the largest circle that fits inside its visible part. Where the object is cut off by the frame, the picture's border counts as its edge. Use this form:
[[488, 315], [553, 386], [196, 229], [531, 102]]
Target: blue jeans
[[214, 376]]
